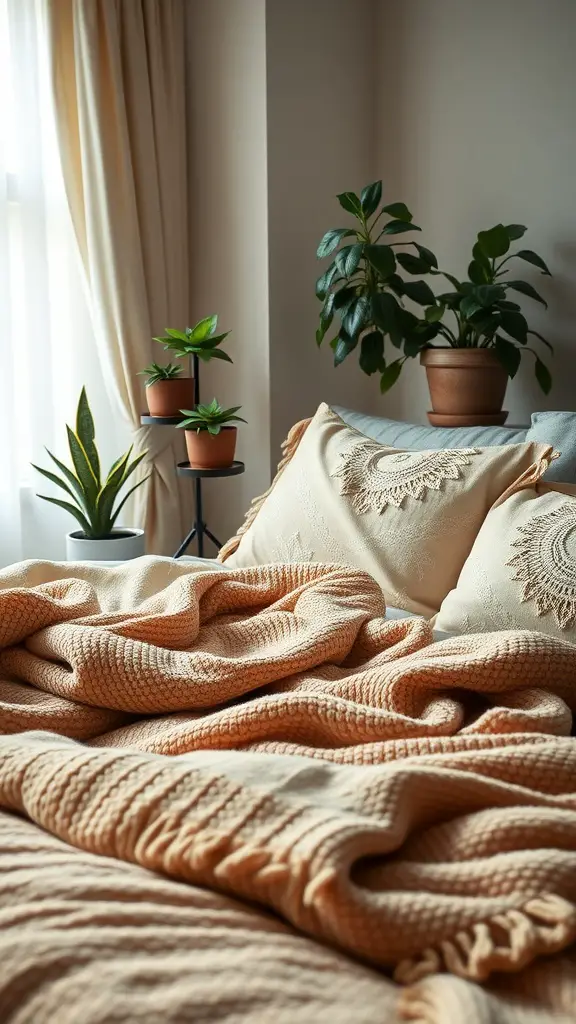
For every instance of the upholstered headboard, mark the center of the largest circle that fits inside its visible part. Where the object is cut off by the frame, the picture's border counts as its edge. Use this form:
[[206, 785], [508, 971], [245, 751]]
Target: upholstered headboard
[[555, 428]]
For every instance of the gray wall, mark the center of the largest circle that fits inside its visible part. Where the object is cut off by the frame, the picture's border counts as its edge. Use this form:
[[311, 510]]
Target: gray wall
[[477, 124]]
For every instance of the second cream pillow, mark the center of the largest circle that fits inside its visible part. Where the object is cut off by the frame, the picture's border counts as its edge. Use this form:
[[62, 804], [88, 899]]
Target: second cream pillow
[[408, 518]]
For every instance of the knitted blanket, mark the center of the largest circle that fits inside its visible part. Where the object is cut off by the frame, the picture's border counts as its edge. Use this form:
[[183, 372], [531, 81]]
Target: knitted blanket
[[440, 844]]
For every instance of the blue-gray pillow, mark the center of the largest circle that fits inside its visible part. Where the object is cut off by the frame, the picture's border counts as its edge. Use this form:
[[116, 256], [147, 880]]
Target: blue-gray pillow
[[559, 430], [416, 437]]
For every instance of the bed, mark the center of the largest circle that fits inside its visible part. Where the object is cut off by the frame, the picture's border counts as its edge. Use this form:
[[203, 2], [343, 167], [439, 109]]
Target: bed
[[258, 793]]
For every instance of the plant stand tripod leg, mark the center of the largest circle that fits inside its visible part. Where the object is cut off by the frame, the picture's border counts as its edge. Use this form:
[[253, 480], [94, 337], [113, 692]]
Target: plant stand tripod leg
[[187, 540], [200, 529], [212, 537]]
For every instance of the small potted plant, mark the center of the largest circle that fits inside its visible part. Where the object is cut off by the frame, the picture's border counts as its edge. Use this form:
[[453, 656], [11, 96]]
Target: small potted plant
[[94, 499], [167, 389], [210, 436], [486, 332]]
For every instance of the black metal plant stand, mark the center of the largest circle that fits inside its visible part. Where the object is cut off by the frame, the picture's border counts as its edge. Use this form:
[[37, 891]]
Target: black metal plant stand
[[199, 529]]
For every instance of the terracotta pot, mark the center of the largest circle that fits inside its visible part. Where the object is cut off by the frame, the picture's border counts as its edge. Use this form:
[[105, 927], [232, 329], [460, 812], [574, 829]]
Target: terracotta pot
[[209, 451], [467, 386], [167, 397]]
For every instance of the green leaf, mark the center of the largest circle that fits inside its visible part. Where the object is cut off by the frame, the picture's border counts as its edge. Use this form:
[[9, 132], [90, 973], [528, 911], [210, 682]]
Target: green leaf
[[85, 525], [203, 329], [390, 375], [326, 280], [434, 314], [215, 353], [543, 340], [515, 325], [477, 273], [534, 259], [543, 376], [382, 258], [419, 292], [326, 317], [348, 258], [126, 496], [344, 346], [398, 227], [480, 257], [370, 198], [356, 315], [385, 312], [399, 211], [494, 242], [84, 470], [526, 289], [55, 480], [396, 283], [331, 241], [515, 231], [85, 430], [344, 296], [451, 300], [412, 264], [371, 352], [426, 254], [172, 333], [75, 483], [508, 355], [469, 305], [350, 202], [505, 304]]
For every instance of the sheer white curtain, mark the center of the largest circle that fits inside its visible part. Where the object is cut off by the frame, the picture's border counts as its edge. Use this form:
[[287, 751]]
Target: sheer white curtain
[[47, 345]]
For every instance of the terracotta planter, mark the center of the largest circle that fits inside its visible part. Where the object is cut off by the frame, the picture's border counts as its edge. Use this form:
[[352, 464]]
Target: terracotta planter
[[209, 451], [467, 386], [168, 397]]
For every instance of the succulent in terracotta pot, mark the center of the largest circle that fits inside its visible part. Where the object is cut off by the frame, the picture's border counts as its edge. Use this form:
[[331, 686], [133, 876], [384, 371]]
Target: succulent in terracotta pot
[[167, 390], [210, 435]]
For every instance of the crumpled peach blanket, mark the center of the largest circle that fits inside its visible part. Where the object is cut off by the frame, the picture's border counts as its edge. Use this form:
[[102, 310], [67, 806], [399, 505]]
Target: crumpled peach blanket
[[441, 841]]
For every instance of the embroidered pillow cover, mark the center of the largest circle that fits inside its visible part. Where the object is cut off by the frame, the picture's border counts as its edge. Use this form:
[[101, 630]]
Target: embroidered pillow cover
[[521, 572], [408, 518]]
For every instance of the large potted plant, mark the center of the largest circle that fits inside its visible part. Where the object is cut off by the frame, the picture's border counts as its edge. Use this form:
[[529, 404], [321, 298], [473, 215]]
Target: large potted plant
[[482, 328], [95, 501], [363, 291], [167, 388], [210, 435], [486, 333]]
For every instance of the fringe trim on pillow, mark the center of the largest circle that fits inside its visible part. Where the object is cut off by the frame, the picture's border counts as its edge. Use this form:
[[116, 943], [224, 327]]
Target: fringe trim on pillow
[[507, 942], [530, 476], [289, 447]]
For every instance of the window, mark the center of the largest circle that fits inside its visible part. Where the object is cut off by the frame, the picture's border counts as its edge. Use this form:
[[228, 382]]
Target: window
[[47, 344]]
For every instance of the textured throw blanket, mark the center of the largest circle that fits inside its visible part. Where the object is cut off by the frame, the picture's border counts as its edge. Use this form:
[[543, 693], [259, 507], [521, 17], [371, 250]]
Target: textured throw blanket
[[429, 829]]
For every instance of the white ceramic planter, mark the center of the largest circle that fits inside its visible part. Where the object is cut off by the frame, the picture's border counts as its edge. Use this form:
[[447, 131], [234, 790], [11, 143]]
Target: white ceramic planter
[[122, 545]]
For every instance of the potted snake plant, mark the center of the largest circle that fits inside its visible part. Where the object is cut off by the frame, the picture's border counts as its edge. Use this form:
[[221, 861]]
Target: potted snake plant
[[167, 389], [210, 435], [94, 499]]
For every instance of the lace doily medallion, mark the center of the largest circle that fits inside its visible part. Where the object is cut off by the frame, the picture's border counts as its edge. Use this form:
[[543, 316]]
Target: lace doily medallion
[[545, 563], [373, 479]]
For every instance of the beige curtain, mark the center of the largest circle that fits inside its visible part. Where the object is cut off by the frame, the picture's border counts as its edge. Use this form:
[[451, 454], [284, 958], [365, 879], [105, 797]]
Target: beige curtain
[[118, 71]]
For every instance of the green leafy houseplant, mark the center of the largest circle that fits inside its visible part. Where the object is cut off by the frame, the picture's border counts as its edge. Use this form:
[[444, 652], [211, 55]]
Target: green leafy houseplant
[[483, 313], [210, 418], [155, 373], [200, 340], [93, 499], [363, 289]]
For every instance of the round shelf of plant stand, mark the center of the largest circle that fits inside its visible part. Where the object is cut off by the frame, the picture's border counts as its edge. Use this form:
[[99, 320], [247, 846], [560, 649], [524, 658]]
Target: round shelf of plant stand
[[160, 421], [185, 469]]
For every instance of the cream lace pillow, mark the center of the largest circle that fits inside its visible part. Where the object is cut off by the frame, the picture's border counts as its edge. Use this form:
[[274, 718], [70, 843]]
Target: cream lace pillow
[[521, 572], [408, 518]]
